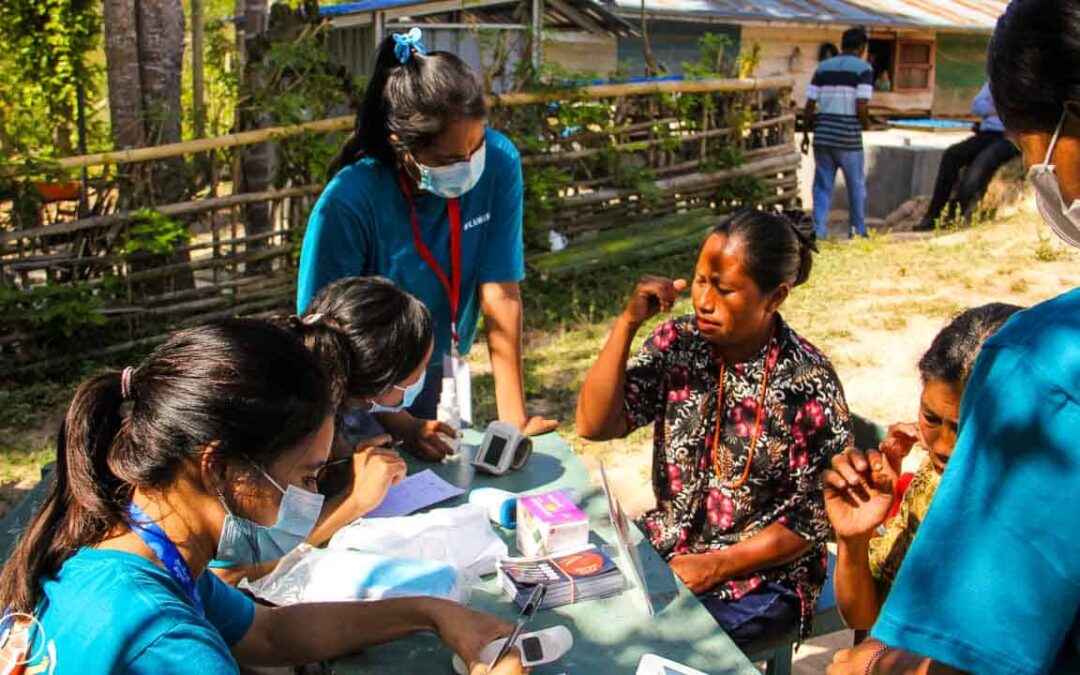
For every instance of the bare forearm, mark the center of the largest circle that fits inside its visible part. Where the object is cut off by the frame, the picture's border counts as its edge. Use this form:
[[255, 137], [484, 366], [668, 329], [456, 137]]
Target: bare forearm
[[856, 592], [775, 545], [399, 424], [600, 403], [503, 317], [312, 632]]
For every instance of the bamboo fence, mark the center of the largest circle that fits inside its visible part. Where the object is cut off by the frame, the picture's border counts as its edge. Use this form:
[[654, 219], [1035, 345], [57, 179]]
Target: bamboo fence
[[225, 271]]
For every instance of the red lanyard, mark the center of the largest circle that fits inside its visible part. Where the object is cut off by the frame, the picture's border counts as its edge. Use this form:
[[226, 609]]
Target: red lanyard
[[451, 285]]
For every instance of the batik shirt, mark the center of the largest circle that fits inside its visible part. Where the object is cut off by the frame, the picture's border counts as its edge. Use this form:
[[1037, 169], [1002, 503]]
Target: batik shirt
[[887, 551], [673, 383]]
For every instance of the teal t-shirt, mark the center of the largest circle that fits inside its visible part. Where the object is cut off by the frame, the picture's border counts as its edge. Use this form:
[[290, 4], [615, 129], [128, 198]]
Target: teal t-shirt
[[116, 612], [360, 226], [991, 583]]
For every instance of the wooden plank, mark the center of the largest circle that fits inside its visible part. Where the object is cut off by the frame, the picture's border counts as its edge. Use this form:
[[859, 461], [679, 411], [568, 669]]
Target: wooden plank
[[345, 123], [171, 210]]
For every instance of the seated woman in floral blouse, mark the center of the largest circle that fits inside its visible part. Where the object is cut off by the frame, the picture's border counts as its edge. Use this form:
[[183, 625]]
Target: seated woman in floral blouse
[[746, 415], [859, 489]]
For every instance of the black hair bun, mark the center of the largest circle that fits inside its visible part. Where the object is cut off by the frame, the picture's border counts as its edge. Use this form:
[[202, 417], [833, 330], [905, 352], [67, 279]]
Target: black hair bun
[[803, 225]]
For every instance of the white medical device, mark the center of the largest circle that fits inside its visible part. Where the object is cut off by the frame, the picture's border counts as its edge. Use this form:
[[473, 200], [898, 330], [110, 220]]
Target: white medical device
[[504, 448]]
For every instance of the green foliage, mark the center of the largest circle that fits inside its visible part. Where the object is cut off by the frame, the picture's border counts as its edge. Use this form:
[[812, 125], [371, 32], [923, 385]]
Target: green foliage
[[61, 310], [296, 81], [154, 233], [741, 191], [46, 56]]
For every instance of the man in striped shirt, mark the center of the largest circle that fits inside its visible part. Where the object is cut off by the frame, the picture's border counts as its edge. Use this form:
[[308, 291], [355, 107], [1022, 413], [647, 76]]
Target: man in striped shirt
[[836, 107]]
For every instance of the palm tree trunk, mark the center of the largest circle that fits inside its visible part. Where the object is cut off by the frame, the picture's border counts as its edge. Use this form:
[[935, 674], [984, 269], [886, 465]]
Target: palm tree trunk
[[258, 160]]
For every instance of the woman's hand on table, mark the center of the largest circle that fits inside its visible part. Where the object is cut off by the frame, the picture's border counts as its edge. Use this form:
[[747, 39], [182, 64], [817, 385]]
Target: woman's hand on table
[[538, 425], [651, 296], [858, 492], [468, 631], [425, 440], [375, 468], [699, 571]]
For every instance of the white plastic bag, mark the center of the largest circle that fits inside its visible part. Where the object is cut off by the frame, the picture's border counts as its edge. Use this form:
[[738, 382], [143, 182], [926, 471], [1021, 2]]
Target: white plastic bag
[[309, 574], [461, 537]]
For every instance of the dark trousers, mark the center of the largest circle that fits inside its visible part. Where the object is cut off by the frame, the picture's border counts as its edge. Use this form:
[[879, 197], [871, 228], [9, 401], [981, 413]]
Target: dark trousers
[[981, 155], [770, 611]]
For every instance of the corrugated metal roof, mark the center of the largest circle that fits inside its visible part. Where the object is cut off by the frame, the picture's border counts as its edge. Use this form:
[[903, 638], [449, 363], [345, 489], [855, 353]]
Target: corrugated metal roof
[[965, 14]]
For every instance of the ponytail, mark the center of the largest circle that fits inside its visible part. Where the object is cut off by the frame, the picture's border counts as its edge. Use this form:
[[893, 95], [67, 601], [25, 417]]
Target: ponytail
[[368, 334], [412, 96], [329, 344], [245, 385], [86, 499]]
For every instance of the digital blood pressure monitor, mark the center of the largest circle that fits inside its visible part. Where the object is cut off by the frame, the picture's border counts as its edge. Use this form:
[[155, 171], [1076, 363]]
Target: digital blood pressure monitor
[[504, 448]]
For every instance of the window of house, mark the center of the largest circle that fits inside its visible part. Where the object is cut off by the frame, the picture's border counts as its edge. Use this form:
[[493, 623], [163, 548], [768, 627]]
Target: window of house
[[915, 64]]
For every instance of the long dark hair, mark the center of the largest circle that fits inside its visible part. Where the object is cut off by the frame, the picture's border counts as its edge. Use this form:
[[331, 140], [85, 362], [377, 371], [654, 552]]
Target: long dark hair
[[367, 333], [415, 101], [778, 247], [247, 385], [953, 351], [1034, 63]]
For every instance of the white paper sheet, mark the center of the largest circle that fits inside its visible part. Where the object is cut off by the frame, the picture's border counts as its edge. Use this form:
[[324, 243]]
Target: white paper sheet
[[417, 491]]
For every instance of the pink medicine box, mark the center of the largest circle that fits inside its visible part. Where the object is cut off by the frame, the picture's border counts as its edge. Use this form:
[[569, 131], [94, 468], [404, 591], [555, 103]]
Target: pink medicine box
[[549, 523]]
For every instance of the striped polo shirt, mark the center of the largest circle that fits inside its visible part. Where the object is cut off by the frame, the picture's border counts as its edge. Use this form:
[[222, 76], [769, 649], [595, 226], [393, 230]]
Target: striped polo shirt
[[837, 85]]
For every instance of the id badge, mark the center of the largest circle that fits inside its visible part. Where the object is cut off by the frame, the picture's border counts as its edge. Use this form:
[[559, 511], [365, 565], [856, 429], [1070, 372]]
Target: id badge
[[459, 369]]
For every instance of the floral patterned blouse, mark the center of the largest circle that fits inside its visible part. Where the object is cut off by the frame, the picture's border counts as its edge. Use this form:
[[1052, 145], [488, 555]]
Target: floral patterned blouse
[[672, 383], [888, 550]]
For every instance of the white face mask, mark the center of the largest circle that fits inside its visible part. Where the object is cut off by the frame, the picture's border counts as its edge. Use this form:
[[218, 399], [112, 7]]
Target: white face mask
[[245, 542], [456, 179], [409, 396], [1063, 219]]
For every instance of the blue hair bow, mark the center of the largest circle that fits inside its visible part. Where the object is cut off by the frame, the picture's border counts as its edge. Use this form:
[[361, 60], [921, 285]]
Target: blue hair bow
[[405, 44]]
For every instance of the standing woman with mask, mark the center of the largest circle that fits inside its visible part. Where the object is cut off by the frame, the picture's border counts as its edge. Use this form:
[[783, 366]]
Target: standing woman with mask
[[426, 195], [746, 415], [212, 447]]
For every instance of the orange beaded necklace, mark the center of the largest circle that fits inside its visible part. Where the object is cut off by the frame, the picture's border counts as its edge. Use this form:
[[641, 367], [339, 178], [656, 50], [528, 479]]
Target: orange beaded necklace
[[757, 424]]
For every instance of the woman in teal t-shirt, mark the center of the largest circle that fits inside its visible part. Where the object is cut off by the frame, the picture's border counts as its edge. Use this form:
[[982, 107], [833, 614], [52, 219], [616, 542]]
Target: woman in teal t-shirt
[[429, 197], [211, 448]]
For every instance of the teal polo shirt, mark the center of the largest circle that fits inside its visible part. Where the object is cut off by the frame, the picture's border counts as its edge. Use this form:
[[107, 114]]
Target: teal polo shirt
[[991, 583], [360, 227], [117, 612]]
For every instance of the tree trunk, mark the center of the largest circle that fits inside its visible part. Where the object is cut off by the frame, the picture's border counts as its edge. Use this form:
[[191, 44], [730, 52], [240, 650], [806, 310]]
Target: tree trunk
[[125, 89], [161, 62], [258, 160]]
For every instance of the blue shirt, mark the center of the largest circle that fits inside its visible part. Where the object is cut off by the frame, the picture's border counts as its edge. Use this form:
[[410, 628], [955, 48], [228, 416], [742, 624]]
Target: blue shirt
[[837, 86], [991, 583], [983, 106], [117, 612], [360, 226]]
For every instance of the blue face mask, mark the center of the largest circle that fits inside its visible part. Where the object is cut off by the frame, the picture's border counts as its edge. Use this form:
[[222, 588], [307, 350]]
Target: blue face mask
[[456, 179], [407, 399], [245, 542]]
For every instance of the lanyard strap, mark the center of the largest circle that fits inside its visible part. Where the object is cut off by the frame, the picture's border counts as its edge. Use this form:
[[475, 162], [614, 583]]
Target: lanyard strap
[[451, 285], [158, 542]]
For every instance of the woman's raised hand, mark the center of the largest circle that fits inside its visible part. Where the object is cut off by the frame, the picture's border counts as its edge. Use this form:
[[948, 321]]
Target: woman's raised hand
[[651, 296], [858, 492]]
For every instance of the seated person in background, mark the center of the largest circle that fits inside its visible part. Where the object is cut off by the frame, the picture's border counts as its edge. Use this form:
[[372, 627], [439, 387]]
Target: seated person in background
[[859, 489], [374, 340], [746, 416], [210, 448], [979, 157]]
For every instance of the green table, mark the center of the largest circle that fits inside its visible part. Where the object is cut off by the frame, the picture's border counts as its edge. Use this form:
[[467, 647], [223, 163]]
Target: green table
[[610, 635]]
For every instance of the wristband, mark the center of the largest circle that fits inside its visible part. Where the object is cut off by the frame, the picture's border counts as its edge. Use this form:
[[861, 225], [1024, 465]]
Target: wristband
[[874, 658]]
